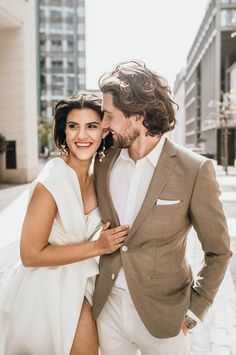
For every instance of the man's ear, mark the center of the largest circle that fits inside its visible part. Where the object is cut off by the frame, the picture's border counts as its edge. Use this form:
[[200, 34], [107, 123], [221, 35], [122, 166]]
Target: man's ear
[[105, 133], [139, 117]]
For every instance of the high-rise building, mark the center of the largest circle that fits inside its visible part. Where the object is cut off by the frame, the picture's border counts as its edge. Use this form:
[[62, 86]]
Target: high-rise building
[[18, 90], [178, 134], [209, 64], [62, 51]]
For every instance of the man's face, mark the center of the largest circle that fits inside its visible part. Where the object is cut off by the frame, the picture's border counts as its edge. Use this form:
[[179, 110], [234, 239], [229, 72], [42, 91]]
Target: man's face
[[124, 130]]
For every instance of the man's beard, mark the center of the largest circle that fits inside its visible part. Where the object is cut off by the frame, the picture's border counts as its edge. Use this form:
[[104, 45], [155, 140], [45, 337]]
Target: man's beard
[[125, 142]]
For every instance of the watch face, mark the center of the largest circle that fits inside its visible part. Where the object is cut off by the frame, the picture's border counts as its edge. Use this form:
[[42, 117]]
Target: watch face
[[190, 323]]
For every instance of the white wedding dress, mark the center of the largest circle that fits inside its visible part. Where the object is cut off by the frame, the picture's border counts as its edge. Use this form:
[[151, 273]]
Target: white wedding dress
[[40, 307]]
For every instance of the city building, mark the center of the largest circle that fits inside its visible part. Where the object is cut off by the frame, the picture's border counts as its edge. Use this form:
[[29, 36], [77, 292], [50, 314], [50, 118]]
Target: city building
[[210, 63], [18, 90], [61, 51], [178, 134]]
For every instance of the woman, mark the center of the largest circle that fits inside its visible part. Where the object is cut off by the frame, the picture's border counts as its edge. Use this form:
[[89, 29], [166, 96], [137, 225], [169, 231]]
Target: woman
[[46, 307]]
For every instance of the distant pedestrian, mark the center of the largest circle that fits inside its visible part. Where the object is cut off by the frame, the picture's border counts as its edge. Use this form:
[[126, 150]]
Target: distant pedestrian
[[145, 296]]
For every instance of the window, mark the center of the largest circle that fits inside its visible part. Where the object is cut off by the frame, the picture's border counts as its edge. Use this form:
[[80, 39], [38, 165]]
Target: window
[[54, 14], [43, 79], [41, 14], [81, 62], [228, 18], [81, 79], [56, 2], [81, 45], [11, 155], [43, 108], [71, 82], [57, 64], [70, 22], [55, 19], [81, 12], [70, 3], [42, 63], [70, 65], [70, 86], [42, 45], [57, 79], [70, 46], [56, 46], [57, 90], [81, 28]]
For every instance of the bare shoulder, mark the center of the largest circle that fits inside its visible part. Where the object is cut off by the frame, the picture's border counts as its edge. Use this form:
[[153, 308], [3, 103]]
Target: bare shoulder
[[42, 199]]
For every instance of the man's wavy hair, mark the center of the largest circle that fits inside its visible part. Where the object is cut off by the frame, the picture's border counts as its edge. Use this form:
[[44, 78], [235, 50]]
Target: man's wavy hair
[[137, 90]]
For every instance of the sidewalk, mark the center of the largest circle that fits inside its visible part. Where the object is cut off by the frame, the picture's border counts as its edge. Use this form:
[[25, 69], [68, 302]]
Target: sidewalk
[[217, 334]]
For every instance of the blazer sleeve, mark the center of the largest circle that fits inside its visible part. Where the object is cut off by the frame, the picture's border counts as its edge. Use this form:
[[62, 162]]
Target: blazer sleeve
[[209, 221]]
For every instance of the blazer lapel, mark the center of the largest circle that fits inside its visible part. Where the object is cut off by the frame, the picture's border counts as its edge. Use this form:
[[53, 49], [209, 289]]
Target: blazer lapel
[[113, 213], [160, 177]]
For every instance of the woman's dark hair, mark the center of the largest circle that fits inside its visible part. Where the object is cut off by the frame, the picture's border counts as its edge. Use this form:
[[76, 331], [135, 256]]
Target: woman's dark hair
[[137, 90], [64, 106]]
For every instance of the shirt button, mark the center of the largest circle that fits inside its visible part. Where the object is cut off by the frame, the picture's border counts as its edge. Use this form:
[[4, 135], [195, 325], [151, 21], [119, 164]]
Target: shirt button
[[113, 276], [124, 248]]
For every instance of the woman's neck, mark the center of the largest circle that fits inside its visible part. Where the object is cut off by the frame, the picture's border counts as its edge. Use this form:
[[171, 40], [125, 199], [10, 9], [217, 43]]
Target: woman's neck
[[81, 167]]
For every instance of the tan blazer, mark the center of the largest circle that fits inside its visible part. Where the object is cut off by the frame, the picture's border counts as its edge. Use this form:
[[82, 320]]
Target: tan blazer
[[158, 275]]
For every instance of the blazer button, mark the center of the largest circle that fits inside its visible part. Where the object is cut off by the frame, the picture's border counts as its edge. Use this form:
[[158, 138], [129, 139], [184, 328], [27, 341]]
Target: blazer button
[[124, 248], [113, 276]]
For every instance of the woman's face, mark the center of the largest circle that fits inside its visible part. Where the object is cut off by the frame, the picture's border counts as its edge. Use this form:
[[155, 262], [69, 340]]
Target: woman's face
[[83, 133]]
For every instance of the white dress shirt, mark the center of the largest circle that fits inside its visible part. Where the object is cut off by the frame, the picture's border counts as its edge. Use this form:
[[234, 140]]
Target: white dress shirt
[[129, 182]]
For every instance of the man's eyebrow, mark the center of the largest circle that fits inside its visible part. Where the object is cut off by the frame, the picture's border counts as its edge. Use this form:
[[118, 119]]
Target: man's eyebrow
[[104, 110]]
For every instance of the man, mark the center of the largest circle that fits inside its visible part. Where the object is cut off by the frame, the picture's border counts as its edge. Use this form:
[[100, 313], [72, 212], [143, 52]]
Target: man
[[145, 297]]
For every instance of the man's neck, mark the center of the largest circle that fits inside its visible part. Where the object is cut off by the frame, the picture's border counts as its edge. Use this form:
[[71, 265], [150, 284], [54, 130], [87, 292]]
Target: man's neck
[[142, 146]]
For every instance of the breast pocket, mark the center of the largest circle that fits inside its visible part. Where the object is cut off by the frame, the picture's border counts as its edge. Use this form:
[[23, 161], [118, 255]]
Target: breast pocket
[[165, 205]]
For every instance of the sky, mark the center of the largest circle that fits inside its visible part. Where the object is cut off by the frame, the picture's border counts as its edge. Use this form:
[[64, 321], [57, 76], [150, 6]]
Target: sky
[[158, 32]]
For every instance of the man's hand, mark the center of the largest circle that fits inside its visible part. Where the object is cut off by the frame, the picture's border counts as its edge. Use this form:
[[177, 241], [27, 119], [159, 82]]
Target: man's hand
[[189, 323], [185, 328]]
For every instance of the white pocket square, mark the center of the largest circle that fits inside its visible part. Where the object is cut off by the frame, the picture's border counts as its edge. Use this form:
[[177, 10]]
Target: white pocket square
[[161, 202]]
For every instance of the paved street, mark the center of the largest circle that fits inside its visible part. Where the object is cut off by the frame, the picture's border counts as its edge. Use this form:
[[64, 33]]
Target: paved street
[[217, 334]]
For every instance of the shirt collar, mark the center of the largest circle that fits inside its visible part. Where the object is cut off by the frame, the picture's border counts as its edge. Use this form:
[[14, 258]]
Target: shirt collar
[[153, 156], [155, 153]]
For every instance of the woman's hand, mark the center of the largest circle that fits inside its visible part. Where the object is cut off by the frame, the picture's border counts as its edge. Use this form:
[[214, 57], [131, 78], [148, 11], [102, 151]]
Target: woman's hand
[[111, 240]]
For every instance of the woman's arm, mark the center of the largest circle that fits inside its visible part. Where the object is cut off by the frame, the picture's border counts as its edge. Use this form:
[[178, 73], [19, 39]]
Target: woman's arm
[[35, 249]]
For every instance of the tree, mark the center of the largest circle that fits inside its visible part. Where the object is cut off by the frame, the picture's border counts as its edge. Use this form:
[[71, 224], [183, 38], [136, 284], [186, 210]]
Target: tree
[[44, 134], [226, 112]]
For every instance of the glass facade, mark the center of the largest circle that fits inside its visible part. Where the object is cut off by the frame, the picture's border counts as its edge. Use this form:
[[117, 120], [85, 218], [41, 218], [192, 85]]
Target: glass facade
[[228, 17], [62, 50]]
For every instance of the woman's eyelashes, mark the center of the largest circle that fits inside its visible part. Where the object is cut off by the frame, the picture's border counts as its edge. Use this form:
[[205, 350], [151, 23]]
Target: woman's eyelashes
[[89, 125]]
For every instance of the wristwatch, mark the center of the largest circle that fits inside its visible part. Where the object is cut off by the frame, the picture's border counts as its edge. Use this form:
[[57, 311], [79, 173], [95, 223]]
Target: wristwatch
[[189, 322]]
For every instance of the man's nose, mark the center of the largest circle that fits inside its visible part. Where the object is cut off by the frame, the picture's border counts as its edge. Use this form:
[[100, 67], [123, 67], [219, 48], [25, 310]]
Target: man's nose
[[104, 123]]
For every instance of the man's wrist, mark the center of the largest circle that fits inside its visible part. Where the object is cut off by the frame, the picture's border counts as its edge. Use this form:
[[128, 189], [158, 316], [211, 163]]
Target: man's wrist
[[189, 322], [193, 316]]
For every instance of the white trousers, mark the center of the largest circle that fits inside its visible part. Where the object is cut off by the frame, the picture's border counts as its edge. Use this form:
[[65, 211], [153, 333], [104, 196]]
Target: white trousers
[[121, 331]]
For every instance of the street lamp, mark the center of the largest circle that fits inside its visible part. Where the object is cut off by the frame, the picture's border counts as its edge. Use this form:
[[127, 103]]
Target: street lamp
[[225, 116]]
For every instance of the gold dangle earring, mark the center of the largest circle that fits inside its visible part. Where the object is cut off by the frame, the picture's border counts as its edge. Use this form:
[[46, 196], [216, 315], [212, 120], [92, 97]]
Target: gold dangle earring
[[102, 154], [64, 149]]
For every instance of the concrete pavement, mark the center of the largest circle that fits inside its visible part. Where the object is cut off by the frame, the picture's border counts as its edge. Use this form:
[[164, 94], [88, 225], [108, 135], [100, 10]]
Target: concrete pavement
[[217, 334]]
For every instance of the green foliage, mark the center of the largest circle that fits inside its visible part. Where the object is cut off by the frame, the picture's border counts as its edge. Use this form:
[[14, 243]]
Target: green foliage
[[3, 143], [44, 132]]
